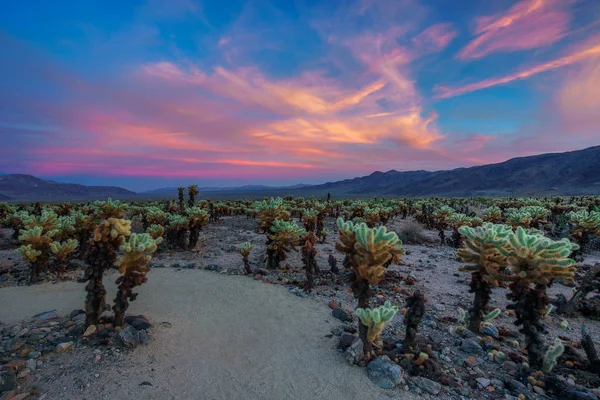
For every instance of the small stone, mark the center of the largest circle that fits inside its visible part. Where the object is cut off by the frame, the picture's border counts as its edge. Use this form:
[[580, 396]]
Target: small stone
[[539, 390], [346, 340], [31, 364], [471, 361], [354, 354], [482, 383], [471, 346], [333, 305], [341, 315], [75, 313], [427, 385], [515, 387], [64, 347], [439, 307], [90, 331], [139, 322], [45, 316], [129, 336], [491, 331], [384, 373], [106, 316], [24, 373]]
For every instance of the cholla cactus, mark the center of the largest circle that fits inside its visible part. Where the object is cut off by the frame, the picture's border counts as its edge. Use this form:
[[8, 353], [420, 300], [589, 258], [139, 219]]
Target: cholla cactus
[[309, 219], [109, 235], [375, 319], [533, 259], [493, 214], [197, 218], [552, 355], [518, 218], [284, 238], [62, 251], [155, 231], [110, 209], [482, 251], [133, 266], [323, 235], [244, 249], [538, 214], [84, 227], [584, 224], [192, 193], [367, 251], [155, 216], [176, 230], [440, 217], [269, 211], [456, 221], [36, 248], [309, 254]]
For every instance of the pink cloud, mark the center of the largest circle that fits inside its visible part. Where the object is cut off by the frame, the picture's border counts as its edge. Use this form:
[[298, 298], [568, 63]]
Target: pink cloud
[[435, 38], [591, 51], [526, 25]]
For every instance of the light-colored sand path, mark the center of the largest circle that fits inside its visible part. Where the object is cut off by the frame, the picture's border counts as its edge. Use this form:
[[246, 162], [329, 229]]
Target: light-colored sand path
[[231, 338]]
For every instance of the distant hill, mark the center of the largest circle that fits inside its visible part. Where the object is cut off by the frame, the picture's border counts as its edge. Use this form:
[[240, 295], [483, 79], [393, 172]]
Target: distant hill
[[30, 188], [570, 173]]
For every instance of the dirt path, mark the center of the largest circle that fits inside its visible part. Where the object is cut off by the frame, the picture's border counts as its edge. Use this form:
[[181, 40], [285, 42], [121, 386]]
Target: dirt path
[[231, 338]]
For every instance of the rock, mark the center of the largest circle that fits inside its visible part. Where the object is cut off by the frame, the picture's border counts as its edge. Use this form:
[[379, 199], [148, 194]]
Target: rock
[[8, 381], [75, 313], [31, 364], [354, 354], [45, 316], [90, 331], [384, 373], [213, 267], [471, 346], [333, 305], [24, 373], [482, 383], [471, 361], [427, 385], [261, 271], [436, 337], [107, 316], [346, 340], [439, 307], [515, 387], [539, 390], [64, 347], [129, 336], [491, 331], [341, 315], [139, 322]]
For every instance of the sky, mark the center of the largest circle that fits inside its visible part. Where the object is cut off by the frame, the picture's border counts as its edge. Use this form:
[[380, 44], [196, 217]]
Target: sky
[[147, 94]]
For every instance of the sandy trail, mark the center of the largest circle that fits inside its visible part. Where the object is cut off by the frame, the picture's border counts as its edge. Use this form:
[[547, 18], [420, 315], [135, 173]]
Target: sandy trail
[[231, 338]]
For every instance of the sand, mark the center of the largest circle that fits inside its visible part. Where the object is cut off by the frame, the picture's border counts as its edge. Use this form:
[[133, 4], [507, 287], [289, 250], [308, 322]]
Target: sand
[[230, 338]]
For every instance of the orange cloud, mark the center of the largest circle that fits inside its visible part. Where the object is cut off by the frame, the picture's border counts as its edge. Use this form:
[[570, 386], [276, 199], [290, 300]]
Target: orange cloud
[[526, 25], [578, 56]]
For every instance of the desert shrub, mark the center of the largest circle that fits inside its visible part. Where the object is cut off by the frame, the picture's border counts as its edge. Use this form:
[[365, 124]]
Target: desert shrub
[[412, 233]]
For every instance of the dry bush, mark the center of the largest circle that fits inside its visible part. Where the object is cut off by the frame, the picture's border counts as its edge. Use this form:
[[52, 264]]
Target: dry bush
[[412, 233]]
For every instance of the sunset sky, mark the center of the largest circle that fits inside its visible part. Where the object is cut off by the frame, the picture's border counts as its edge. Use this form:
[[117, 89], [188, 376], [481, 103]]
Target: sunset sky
[[146, 94]]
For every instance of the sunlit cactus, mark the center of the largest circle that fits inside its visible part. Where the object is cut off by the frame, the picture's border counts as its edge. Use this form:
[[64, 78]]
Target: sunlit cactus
[[197, 218], [482, 253], [108, 236], [48, 221], [368, 251], [36, 248], [133, 266], [533, 259], [375, 320], [62, 251], [285, 236], [270, 210], [244, 249], [155, 216]]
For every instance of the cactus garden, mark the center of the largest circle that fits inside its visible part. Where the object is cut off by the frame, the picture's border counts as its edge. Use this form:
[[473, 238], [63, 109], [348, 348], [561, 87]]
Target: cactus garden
[[456, 297]]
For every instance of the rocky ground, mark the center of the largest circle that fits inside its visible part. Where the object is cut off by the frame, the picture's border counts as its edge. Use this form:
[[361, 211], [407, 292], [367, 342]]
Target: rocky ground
[[456, 363]]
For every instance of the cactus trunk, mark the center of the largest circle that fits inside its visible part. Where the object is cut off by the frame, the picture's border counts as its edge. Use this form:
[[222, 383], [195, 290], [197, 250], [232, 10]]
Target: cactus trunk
[[482, 291]]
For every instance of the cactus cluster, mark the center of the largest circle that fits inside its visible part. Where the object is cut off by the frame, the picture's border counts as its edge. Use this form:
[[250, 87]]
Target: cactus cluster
[[376, 318]]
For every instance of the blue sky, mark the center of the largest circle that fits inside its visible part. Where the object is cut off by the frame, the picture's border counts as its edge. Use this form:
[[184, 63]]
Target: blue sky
[[145, 94]]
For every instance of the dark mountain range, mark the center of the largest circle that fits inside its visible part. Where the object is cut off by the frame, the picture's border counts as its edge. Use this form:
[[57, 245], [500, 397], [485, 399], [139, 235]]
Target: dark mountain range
[[247, 188], [570, 173], [30, 188]]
